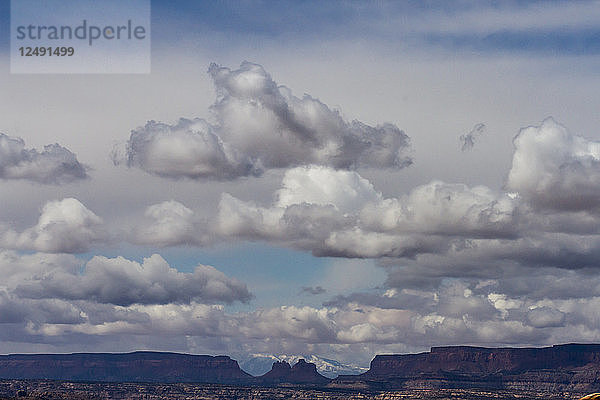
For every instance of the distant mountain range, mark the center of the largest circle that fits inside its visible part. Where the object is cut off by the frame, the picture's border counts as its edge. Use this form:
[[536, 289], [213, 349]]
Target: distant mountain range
[[571, 367], [259, 364]]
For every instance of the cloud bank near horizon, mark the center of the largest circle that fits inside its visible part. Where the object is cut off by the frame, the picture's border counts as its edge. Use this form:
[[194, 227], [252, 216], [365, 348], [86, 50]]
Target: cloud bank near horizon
[[112, 301]]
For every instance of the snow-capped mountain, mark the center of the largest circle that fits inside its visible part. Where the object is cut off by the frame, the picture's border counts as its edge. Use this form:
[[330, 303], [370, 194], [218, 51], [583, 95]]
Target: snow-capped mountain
[[259, 364]]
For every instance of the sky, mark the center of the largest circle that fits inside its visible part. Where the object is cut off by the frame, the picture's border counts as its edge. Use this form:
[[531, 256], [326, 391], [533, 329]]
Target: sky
[[340, 179]]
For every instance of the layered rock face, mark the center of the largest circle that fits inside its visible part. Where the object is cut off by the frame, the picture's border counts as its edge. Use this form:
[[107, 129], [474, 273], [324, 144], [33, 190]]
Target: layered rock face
[[151, 367], [301, 373], [130, 367], [487, 361], [564, 367]]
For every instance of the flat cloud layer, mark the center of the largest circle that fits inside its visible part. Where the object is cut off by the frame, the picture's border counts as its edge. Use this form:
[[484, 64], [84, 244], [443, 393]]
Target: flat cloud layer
[[54, 165], [458, 311], [115, 281], [260, 126]]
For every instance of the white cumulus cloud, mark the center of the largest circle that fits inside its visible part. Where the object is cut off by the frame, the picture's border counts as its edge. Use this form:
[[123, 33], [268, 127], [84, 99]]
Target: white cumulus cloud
[[64, 226], [556, 169], [260, 125], [171, 223], [339, 213]]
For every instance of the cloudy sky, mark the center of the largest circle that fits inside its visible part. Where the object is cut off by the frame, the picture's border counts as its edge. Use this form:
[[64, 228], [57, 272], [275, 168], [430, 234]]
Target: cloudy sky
[[332, 178]]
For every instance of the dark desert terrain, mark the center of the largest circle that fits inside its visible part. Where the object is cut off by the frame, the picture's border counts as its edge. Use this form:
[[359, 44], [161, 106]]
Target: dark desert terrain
[[55, 390]]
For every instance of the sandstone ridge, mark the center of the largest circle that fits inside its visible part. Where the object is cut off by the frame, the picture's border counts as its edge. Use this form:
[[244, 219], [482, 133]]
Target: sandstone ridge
[[569, 367], [140, 366], [301, 373]]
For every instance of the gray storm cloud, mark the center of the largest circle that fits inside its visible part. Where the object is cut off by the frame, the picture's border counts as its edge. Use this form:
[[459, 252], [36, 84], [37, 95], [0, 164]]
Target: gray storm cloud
[[260, 125], [54, 165], [544, 317]]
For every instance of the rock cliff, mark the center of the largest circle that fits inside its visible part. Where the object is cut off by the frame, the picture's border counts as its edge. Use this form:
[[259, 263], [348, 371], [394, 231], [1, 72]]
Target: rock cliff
[[301, 373], [568, 368], [130, 367], [574, 367]]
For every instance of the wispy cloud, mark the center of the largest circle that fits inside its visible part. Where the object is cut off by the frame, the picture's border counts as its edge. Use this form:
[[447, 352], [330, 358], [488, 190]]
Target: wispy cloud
[[468, 140], [316, 290], [557, 27]]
